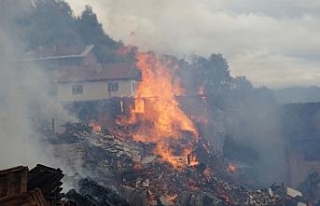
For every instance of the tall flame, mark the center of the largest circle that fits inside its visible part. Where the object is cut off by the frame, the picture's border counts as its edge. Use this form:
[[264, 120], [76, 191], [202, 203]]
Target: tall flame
[[160, 118]]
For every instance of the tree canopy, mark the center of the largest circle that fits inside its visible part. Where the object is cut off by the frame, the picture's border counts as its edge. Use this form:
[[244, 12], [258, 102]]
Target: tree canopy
[[213, 72], [51, 22]]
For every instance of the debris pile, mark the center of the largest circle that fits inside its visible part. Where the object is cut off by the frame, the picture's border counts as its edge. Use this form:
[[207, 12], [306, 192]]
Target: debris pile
[[311, 188], [132, 169], [89, 193], [124, 173], [40, 186]]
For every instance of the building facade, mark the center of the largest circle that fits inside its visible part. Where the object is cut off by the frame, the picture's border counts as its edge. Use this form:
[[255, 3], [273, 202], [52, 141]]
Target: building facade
[[117, 80], [75, 74]]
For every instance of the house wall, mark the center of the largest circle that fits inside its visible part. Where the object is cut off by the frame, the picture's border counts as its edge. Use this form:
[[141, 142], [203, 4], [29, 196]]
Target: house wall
[[95, 90]]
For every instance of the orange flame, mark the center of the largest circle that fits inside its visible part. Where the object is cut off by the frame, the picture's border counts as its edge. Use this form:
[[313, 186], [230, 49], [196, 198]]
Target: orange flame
[[172, 198], [95, 126], [193, 160], [160, 118], [126, 50], [201, 90], [232, 168]]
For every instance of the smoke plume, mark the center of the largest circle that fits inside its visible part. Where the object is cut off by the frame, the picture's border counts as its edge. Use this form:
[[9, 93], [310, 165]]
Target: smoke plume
[[21, 92]]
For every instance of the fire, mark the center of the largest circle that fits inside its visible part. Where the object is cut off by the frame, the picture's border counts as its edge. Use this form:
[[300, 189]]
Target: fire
[[125, 50], [232, 168], [172, 198], [137, 166], [201, 90], [96, 127], [192, 160], [163, 112], [160, 118]]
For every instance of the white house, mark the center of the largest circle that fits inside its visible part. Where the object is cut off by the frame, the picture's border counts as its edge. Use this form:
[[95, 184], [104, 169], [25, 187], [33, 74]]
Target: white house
[[104, 82], [75, 74]]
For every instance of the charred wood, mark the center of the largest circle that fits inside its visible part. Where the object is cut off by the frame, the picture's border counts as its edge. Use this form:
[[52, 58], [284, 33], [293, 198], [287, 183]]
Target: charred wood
[[101, 194]]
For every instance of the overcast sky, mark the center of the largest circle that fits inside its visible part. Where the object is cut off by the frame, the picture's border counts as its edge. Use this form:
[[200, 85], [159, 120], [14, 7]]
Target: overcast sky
[[272, 42]]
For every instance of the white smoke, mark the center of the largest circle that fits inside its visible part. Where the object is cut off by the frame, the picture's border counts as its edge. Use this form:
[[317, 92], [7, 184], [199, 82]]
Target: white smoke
[[246, 31], [22, 97]]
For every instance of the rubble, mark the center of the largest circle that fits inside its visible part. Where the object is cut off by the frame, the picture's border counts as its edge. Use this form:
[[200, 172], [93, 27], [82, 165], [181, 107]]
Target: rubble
[[78, 199], [41, 186], [125, 173], [163, 201], [142, 178], [48, 180], [290, 192], [37, 187], [13, 181], [311, 188], [90, 193], [201, 199], [30, 198]]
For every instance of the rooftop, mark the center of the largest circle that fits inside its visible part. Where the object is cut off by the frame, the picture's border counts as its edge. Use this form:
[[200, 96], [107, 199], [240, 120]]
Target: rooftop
[[111, 71], [55, 52]]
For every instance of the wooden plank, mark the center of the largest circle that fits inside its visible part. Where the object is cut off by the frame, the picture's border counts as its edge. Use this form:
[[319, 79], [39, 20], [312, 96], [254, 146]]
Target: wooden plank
[[13, 181], [32, 198]]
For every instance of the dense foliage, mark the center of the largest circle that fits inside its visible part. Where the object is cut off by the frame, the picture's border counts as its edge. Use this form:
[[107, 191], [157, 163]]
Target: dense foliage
[[52, 23]]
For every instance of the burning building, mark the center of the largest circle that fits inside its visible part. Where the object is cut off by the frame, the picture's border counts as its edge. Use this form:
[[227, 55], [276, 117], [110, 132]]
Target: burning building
[[75, 74]]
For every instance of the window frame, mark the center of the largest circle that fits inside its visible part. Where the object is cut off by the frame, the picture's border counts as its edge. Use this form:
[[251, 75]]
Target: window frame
[[77, 89], [113, 86]]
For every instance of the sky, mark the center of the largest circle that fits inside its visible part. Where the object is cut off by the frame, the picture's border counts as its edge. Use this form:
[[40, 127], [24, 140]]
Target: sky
[[274, 43]]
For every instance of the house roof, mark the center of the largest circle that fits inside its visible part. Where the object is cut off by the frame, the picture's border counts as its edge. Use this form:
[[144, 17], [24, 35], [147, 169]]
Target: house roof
[[56, 53], [112, 71]]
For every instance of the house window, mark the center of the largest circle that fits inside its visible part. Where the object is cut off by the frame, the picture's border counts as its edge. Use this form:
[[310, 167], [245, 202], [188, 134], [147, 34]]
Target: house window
[[77, 89], [113, 86]]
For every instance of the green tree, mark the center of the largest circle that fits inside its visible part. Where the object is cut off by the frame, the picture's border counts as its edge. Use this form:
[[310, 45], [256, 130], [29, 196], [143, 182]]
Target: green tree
[[91, 32], [213, 74], [50, 22], [241, 83]]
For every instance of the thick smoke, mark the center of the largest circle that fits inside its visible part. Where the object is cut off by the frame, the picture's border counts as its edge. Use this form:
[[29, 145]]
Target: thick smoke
[[253, 120], [16, 147], [273, 45], [22, 96], [254, 123], [256, 126]]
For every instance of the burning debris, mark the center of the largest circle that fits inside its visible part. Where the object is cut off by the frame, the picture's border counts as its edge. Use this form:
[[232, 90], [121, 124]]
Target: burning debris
[[126, 172], [145, 178], [154, 155], [157, 115]]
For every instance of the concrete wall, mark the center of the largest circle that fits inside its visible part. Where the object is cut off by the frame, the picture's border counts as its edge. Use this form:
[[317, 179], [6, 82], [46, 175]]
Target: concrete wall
[[95, 90]]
